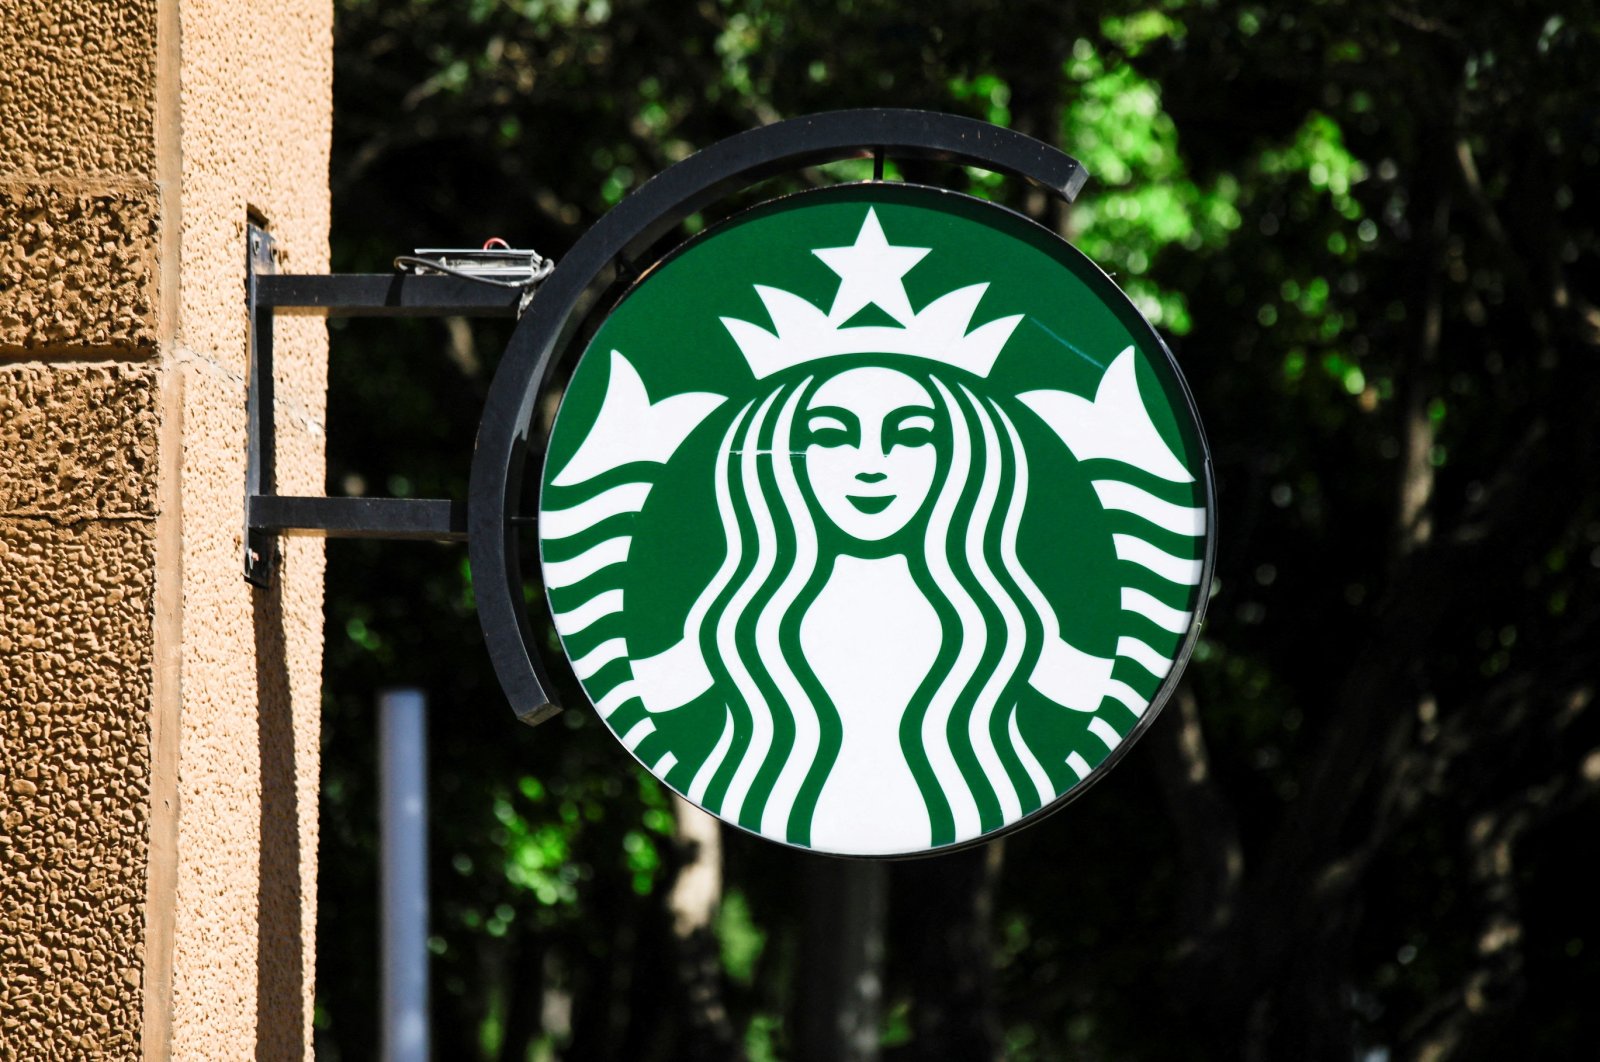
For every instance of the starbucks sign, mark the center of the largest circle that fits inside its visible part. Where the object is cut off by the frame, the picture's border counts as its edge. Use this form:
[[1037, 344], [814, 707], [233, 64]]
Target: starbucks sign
[[874, 520]]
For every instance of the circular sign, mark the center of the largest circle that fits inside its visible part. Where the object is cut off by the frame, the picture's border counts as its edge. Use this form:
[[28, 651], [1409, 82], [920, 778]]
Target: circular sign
[[875, 520]]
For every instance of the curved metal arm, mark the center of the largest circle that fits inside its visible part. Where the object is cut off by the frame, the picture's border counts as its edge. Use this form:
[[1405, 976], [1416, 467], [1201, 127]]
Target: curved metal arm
[[505, 436]]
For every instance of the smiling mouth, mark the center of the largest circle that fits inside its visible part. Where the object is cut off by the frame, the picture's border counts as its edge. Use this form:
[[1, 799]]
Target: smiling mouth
[[871, 503]]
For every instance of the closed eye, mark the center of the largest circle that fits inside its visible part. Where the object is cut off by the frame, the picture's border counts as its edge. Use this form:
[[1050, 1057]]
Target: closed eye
[[832, 426], [910, 429]]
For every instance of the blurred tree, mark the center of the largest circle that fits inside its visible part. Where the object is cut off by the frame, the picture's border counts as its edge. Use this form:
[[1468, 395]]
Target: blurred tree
[[1368, 229]]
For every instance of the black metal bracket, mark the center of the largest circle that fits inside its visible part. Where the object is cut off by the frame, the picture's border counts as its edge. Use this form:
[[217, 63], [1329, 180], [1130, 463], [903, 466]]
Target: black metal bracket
[[268, 514], [260, 547]]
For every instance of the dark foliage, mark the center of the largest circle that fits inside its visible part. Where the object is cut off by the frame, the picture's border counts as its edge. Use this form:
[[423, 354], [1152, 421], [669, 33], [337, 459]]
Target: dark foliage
[[1360, 829]]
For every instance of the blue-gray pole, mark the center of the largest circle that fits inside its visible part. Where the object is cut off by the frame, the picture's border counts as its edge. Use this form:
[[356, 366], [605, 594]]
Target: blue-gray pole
[[403, 797]]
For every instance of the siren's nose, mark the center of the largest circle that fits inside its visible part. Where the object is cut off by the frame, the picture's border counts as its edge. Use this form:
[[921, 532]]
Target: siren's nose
[[872, 477]]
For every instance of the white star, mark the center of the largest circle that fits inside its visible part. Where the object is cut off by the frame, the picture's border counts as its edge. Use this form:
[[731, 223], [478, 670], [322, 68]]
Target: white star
[[871, 272]]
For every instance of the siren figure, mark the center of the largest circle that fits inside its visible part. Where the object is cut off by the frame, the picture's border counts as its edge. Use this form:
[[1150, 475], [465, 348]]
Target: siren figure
[[864, 644], [895, 641]]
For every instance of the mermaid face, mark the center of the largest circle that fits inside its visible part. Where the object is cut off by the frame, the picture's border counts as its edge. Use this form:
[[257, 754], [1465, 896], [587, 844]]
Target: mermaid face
[[870, 454]]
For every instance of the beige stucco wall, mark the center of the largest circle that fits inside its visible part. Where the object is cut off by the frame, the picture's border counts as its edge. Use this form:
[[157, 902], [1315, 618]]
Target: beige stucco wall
[[158, 717]]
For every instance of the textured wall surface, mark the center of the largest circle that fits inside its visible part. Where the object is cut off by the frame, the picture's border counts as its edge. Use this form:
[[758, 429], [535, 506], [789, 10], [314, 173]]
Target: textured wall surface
[[79, 224], [74, 651], [76, 87], [158, 717], [255, 141], [77, 269], [78, 443]]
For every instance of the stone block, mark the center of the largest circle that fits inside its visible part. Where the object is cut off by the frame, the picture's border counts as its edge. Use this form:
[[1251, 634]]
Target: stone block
[[77, 88], [75, 671], [77, 270], [78, 442]]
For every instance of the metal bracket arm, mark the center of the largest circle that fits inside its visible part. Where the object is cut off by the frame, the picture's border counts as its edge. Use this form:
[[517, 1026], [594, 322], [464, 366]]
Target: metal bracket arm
[[385, 295], [268, 514], [423, 519]]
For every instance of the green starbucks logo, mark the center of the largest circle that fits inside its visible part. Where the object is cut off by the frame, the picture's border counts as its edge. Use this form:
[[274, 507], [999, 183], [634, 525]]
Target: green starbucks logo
[[873, 520]]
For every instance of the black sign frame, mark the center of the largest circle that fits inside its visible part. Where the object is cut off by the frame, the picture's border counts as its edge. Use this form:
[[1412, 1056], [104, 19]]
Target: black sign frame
[[619, 247]]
